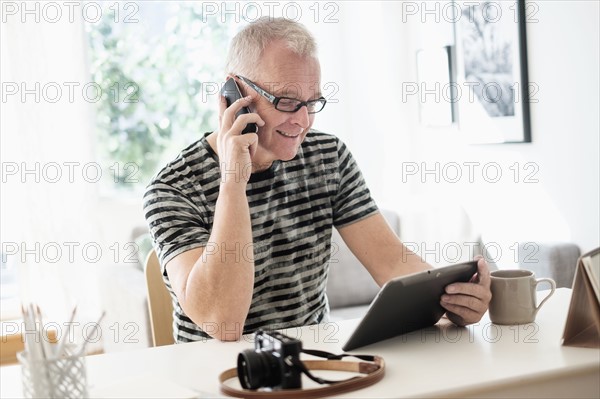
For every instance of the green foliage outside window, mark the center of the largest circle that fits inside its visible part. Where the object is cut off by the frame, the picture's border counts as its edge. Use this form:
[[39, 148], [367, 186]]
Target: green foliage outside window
[[154, 74]]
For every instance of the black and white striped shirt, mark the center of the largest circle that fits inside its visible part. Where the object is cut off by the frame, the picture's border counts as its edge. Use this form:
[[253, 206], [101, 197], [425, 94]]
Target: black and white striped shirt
[[293, 207]]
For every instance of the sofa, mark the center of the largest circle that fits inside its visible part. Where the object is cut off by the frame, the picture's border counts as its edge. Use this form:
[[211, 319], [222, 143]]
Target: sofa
[[350, 288]]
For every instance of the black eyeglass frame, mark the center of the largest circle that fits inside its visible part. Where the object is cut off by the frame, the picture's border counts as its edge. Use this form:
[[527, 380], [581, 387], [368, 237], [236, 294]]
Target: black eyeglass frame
[[275, 100]]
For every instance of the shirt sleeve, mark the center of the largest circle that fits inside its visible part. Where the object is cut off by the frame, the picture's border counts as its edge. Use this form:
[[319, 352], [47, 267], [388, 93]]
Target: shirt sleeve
[[176, 224], [353, 200]]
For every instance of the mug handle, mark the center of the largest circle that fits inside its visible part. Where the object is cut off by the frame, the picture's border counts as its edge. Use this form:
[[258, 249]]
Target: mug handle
[[552, 289]]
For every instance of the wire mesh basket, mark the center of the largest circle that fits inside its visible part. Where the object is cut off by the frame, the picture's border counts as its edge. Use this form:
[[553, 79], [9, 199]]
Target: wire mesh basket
[[64, 377]]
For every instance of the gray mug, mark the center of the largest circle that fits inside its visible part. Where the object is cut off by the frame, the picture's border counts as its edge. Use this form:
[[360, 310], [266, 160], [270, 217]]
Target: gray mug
[[513, 296]]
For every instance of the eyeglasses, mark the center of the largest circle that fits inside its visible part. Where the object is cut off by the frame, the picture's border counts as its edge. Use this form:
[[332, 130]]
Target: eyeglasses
[[287, 104]]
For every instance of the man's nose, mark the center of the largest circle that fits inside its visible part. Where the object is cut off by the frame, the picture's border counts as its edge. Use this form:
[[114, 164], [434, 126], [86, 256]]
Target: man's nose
[[301, 117]]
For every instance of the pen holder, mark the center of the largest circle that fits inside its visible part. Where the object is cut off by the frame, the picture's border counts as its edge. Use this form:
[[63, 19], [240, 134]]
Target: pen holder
[[64, 377]]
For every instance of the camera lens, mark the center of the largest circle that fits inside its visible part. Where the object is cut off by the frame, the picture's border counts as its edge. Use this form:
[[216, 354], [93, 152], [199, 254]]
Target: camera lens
[[258, 369]]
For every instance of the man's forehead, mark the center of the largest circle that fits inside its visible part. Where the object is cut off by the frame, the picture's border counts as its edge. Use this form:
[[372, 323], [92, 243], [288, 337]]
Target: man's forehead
[[288, 74], [290, 80], [281, 70], [292, 88]]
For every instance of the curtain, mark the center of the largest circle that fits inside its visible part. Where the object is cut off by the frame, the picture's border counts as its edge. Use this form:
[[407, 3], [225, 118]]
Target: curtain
[[48, 225]]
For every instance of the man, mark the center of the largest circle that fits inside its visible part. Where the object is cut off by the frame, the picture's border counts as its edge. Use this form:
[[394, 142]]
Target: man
[[242, 223]]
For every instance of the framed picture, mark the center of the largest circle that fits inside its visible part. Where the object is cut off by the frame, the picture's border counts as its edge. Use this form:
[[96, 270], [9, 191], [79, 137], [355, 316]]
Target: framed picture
[[492, 86], [436, 106]]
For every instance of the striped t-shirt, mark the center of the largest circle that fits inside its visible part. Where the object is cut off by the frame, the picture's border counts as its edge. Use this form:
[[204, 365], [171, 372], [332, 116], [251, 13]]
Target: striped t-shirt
[[293, 207]]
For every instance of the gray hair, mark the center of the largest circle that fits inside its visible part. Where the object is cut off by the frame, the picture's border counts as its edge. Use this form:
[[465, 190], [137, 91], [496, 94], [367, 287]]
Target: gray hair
[[248, 44]]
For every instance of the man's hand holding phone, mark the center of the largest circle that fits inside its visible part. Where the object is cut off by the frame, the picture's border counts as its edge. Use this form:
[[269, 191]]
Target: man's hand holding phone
[[234, 148]]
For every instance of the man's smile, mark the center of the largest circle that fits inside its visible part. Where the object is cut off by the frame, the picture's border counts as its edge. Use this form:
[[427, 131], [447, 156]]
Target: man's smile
[[293, 136]]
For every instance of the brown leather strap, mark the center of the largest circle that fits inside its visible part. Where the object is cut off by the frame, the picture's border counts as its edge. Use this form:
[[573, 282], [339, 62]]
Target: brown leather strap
[[374, 372]]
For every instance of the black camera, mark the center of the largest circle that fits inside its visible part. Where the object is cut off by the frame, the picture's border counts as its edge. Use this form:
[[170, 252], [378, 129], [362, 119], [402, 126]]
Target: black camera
[[272, 362]]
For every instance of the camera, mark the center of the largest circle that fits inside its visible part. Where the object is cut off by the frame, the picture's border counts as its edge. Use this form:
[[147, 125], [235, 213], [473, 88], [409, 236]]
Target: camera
[[271, 363]]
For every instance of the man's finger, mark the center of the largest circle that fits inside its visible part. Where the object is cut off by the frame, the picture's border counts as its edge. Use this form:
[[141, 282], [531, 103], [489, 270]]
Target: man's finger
[[483, 271], [228, 115], [470, 302], [460, 315], [241, 121]]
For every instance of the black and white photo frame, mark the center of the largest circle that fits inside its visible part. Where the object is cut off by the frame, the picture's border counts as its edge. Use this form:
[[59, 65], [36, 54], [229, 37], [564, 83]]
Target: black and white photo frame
[[492, 94]]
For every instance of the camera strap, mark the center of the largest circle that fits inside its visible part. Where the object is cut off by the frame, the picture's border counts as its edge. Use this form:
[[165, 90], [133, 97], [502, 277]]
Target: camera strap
[[373, 368]]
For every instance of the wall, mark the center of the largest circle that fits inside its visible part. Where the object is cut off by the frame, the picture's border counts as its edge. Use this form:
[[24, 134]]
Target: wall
[[564, 52], [559, 201], [367, 53]]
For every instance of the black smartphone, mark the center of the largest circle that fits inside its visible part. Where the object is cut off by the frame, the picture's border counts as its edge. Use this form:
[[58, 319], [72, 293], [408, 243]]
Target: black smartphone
[[232, 93]]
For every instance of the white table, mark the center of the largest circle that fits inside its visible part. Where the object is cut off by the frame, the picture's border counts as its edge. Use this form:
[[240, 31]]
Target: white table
[[483, 360]]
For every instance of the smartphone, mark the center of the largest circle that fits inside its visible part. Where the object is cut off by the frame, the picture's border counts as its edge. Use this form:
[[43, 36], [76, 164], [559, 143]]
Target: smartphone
[[232, 93]]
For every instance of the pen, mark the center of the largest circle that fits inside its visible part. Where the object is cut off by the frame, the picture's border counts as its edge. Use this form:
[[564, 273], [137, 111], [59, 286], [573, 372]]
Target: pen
[[63, 339], [89, 335]]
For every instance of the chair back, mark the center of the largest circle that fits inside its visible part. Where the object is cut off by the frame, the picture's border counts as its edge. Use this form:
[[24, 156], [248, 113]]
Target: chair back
[[160, 306]]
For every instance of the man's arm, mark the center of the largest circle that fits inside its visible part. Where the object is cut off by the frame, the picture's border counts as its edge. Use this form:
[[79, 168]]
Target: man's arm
[[378, 248], [214, 284]]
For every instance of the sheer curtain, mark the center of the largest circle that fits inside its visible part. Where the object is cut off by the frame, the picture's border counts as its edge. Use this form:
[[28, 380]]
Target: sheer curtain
[[48, 225]]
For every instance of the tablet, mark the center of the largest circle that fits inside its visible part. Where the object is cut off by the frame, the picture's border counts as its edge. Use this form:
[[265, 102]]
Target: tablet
[[408, 303]]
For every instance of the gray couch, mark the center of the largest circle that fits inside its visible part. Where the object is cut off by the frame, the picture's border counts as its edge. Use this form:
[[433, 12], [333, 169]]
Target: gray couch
[[557, 260], [123, 289], [350, 288]]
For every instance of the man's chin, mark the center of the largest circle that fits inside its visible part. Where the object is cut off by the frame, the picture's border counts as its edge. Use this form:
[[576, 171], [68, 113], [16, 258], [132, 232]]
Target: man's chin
[[289, 156], [281, 154]]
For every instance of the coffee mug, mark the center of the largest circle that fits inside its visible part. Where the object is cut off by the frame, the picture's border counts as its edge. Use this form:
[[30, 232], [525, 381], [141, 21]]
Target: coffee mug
[[513, 296]]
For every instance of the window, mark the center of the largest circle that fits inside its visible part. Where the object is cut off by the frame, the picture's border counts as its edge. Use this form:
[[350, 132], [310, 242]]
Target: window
[[159, 66]]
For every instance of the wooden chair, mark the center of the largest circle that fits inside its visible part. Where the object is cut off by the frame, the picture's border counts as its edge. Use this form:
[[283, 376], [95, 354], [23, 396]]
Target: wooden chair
[[13, 342], [160, 306]]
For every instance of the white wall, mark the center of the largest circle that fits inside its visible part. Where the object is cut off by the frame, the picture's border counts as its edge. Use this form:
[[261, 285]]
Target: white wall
[[377, 53], [563, 57], [367, 52]]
